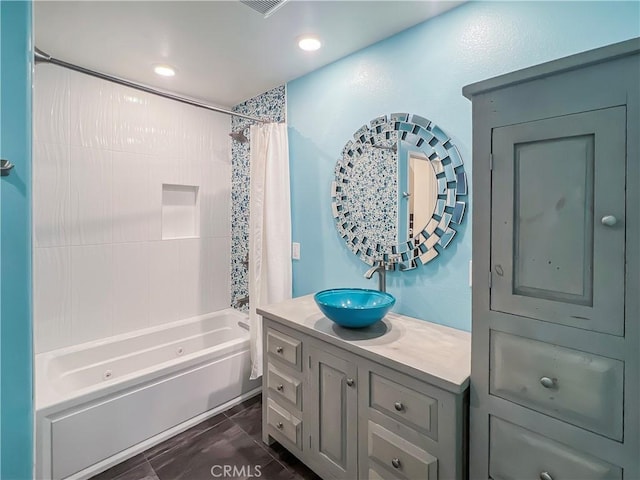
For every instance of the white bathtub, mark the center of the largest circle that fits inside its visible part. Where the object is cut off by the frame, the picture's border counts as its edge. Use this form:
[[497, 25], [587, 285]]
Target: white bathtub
[[101, 402]]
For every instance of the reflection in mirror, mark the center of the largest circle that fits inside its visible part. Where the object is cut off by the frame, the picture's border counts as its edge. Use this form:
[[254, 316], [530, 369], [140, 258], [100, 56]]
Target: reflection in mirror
[[422, 194], [397, 189], [371, 201]]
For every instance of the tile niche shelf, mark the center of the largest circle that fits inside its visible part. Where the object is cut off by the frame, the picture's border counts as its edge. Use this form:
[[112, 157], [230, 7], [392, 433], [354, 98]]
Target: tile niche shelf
[[180, 211]]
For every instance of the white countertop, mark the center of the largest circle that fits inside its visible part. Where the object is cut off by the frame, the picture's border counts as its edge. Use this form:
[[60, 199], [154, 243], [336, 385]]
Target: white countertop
[[434, 353]]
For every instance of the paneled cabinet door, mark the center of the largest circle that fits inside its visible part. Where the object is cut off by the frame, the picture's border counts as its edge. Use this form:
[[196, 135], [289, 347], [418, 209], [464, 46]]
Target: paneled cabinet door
[[333, 394], [558, 220]]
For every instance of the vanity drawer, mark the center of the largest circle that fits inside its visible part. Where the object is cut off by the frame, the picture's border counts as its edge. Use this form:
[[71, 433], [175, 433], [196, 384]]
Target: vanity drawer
[[415, 409], [284, 423], [285, 348], [399, 455], [574, 386], [516, 453], [378, 473], [285, 386]]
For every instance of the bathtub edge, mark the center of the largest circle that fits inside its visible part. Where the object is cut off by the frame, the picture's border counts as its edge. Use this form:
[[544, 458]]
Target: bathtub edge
[[161, 437]]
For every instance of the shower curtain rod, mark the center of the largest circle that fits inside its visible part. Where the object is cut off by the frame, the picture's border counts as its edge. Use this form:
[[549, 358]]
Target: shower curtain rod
[[42, 57]]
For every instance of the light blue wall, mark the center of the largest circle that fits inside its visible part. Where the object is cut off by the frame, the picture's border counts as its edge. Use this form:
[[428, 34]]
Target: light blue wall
[[16, 393], [422, 70]]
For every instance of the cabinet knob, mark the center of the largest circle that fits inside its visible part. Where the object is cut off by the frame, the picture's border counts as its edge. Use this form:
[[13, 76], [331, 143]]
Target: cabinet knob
[[351, 382], [280, 426], [609, 220], [280, 387], [279, 350], [398, 406], [396, 463], [545, 476], [547, 382]]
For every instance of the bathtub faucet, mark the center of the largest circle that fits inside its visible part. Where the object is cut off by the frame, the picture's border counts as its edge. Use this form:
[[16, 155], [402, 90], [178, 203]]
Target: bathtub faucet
[[242, 301]]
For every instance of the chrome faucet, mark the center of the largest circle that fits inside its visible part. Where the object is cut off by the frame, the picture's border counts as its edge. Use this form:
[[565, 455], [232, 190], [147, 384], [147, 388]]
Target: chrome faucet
[[240, 302], [380, 267]]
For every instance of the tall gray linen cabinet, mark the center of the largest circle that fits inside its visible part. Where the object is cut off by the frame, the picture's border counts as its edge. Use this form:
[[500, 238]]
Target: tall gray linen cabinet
[[556, 292]]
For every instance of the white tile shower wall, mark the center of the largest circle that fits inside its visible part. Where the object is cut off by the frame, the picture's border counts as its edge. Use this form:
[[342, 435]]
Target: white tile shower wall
[[164, 281], [101, 155], [52, 303], [91, 192], [130, 286], [51, 194]]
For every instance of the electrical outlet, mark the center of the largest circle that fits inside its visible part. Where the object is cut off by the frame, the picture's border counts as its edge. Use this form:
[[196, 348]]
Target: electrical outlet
[[295, 251]]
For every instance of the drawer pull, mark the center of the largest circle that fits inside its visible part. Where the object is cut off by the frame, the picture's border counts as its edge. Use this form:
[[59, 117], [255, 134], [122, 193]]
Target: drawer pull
[[396, 464], [280, 388], [350, 382], [279, 349], [608, 221], [545, 476], [398, 406], [547, 382], [280, 426]]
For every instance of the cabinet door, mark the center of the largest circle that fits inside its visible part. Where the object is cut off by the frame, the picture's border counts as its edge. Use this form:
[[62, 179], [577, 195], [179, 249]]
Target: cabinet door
[[558, 220], [333, 394]]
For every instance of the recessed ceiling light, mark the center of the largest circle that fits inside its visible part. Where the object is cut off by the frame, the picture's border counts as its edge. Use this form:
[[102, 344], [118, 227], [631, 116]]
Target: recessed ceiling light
[[164, 70], [309, 43]]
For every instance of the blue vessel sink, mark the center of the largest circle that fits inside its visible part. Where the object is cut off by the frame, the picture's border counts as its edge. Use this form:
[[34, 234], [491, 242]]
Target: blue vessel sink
[[354, 307]]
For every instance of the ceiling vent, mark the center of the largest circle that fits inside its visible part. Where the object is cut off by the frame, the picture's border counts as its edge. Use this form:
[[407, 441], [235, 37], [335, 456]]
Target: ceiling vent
[[264, 7]]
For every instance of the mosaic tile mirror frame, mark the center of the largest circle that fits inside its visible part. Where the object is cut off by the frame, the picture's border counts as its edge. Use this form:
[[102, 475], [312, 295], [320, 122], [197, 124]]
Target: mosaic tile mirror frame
[[408, 214]]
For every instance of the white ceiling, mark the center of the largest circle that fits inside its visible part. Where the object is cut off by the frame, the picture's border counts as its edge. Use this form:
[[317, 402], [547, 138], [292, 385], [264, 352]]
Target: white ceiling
[[224, 52]]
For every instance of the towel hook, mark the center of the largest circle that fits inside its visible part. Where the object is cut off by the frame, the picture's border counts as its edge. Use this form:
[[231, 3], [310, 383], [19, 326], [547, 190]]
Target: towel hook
[[5, 167]]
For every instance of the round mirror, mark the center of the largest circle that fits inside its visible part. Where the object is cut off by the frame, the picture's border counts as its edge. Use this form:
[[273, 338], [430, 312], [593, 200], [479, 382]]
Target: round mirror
[[397, 191]]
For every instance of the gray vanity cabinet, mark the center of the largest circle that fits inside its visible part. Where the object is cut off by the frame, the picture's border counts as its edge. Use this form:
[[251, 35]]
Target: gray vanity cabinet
[[341, 401], [554, 383], [409, 429], [332, 411], [283, 389]]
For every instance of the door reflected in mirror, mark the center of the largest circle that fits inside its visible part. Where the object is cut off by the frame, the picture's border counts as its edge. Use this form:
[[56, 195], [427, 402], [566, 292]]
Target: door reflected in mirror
[[417, 199]]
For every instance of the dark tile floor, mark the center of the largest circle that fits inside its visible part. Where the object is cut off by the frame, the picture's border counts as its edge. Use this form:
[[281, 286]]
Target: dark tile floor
[[232, 438]]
